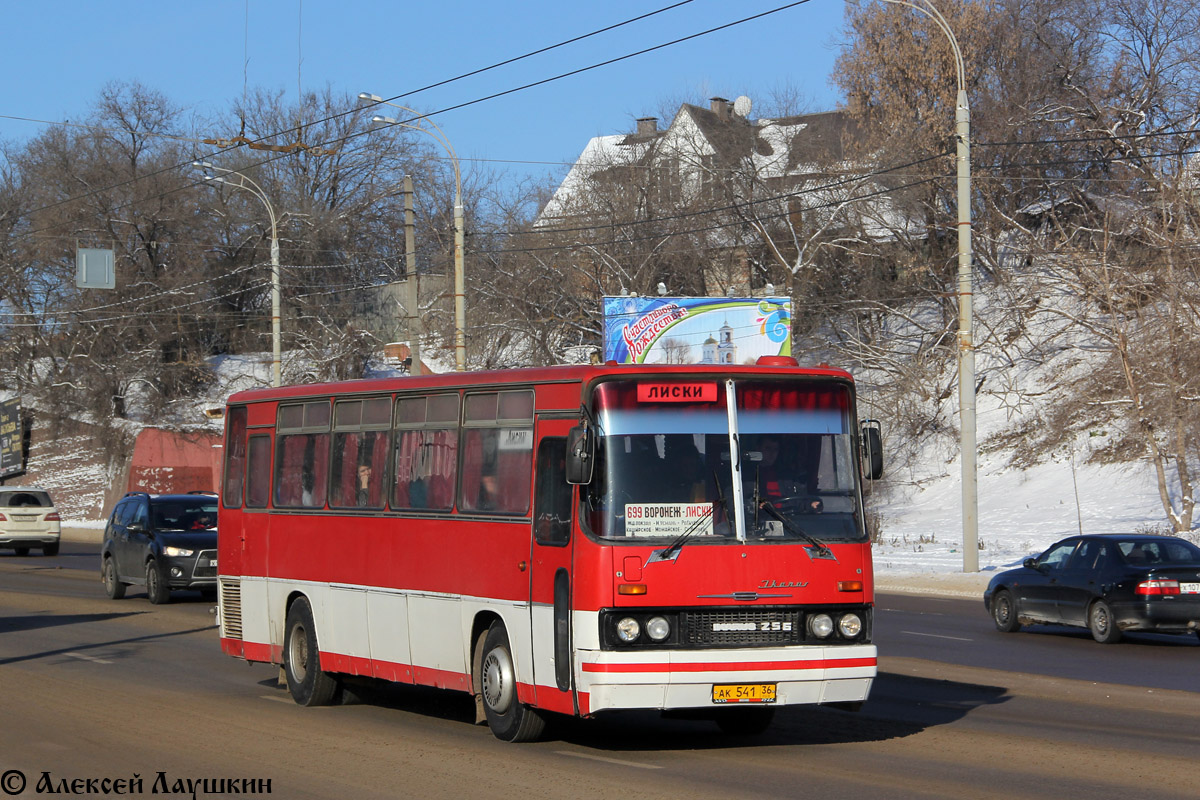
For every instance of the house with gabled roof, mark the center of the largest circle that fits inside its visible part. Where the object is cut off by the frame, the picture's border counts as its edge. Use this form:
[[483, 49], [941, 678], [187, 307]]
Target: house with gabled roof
[[714, 160]]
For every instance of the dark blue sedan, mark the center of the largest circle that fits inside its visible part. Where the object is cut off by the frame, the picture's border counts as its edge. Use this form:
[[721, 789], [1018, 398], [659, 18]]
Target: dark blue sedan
[[1107, 583]]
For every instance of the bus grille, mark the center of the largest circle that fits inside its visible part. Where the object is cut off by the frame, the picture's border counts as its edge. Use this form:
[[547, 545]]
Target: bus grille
[[742, 628], [231, 609]]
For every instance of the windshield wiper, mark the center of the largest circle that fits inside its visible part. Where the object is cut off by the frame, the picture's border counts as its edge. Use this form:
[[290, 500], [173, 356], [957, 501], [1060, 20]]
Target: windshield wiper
[[822, 549], [670, 552]]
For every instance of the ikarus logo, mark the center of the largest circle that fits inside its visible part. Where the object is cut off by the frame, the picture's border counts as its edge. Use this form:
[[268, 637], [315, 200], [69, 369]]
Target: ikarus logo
[[767, 583]]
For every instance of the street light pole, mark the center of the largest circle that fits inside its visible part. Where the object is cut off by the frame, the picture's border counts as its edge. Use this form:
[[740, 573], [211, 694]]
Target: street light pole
[[460, 343], [966, 346], [256, 190]]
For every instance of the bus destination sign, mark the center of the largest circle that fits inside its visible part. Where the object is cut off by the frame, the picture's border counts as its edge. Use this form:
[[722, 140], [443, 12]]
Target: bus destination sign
[[677, 392]]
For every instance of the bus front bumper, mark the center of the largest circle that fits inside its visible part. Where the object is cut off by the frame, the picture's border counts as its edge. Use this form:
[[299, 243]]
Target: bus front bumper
[[690, 679]]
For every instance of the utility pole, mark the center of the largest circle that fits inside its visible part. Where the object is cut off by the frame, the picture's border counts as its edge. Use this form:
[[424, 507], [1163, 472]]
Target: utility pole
[[413, 298], [966, 312]]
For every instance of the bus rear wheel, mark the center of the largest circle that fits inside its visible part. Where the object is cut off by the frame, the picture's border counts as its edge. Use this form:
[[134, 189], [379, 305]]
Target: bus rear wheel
[[309, 685], [509, 718]]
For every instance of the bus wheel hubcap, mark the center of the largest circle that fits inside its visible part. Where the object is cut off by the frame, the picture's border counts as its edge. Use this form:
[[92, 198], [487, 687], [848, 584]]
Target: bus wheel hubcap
[[498, 680], [298, 655]]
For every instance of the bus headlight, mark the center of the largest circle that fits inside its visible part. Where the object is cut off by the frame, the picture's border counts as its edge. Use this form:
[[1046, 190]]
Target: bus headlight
[[658, 628], [850, 625], [820, 625], [628, 630]]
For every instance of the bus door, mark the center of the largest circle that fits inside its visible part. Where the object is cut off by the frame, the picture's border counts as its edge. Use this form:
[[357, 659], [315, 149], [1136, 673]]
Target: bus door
[[550, 567]]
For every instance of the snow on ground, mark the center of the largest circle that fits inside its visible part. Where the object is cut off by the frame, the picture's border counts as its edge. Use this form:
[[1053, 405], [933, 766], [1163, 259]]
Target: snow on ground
[[1021, 513], [71, 470]]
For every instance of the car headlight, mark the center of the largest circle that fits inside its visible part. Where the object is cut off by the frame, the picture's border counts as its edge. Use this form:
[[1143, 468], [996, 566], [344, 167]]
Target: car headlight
[[820, 625], [177, 551], [628, 630], [850, 625], [658, 628]]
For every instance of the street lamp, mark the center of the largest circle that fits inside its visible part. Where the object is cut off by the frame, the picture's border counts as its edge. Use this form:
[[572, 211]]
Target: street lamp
[[460, 345], [256, 190], [966, 348]]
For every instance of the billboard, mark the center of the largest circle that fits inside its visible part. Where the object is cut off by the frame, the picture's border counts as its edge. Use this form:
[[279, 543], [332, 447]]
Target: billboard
[[696, 330], [10, 438]]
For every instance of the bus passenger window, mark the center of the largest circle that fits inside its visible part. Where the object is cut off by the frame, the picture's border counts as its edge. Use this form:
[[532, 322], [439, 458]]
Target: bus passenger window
[[360, 446], [497, 452], [302, 455], [425, 457], [358, 467], [235, 457], [258, 472]]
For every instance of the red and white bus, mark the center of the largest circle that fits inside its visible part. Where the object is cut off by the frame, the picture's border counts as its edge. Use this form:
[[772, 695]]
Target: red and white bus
[[571, 540]]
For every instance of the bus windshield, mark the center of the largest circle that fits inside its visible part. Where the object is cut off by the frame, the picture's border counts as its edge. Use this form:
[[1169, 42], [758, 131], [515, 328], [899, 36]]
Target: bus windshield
[[667, 468]]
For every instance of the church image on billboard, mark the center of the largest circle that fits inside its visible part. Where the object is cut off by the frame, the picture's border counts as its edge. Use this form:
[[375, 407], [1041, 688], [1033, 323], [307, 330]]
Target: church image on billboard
[[695, 330]]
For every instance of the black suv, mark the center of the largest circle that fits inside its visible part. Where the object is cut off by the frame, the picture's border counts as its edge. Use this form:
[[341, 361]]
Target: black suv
[[162, 542]]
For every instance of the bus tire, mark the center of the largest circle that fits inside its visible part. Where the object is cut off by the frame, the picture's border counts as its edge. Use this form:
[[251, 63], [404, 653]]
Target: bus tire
[[308, 683], [157, 589], [112, 584], [744, 721], [509, 718]]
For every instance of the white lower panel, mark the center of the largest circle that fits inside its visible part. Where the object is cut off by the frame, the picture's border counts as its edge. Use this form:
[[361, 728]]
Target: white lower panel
[[435, 638], [256, 622], [387, 626], [349, 636]]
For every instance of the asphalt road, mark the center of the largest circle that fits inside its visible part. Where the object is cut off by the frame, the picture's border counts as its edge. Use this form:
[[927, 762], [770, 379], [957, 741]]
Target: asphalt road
[[97, 689]]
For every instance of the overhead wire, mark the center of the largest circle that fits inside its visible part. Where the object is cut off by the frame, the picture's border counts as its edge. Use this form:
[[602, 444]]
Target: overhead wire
[[297, 129]]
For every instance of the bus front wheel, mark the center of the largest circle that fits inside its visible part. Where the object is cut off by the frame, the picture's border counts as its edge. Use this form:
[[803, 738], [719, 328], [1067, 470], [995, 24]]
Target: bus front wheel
[[309, 685], [509, 718]]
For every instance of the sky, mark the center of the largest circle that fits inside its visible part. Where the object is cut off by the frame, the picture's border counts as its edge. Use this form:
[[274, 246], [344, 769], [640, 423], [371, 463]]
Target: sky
[[59, 54]]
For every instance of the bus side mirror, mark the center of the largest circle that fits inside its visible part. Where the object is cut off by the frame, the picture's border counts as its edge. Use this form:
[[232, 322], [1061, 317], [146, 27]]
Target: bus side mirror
[[581, 452], [872, 449]]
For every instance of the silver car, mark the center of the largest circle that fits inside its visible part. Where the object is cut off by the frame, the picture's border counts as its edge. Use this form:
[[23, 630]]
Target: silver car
[[28, 519]]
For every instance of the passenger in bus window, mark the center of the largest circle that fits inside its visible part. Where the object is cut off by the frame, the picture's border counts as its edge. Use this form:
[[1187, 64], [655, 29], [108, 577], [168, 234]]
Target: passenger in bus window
[[362, 493], [489, 492], [308, 476]]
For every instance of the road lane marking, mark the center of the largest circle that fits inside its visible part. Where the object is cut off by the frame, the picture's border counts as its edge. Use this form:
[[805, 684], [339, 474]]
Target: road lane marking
[[938, 636], [85, 657], [618, 761], [906, 611]]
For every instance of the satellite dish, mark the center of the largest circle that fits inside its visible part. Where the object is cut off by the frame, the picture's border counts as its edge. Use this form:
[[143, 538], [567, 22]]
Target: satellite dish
[[741, 106]]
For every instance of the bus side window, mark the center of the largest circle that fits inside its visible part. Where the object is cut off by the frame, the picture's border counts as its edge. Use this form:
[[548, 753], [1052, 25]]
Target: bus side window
[[235, 457], [302, 455], [552, 499], [425, 456], [258, 472], [497, 444]]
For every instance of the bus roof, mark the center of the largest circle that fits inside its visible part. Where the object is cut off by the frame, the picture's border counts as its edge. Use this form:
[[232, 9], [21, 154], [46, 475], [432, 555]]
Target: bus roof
[[583, 373]]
